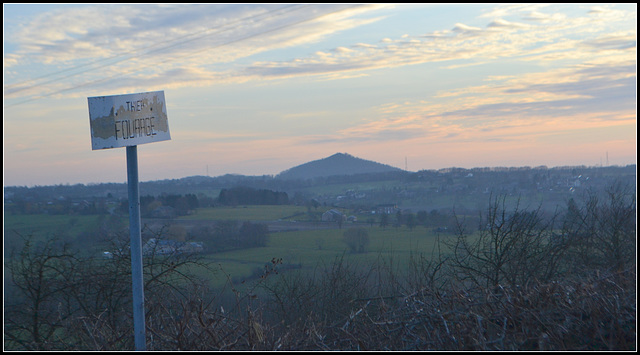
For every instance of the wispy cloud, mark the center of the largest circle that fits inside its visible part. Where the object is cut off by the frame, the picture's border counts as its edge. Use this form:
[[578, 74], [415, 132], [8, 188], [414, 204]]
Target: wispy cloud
[[150, 33], [531, 104], [498, 40], [175, 43], [512, 81], [510, 10], [107, 46]]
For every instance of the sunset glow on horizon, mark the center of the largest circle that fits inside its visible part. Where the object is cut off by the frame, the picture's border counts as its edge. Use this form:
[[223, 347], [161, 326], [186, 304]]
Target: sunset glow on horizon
[[258, 89]]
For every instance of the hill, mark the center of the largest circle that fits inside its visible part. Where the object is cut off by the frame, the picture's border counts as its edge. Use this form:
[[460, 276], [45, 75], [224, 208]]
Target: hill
[[337, 164]]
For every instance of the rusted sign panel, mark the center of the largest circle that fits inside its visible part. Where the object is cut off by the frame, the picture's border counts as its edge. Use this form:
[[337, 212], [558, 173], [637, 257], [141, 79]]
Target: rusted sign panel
[[127, 120]]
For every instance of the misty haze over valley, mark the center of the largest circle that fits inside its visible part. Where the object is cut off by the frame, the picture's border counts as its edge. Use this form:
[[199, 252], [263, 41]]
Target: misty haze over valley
[[329, 240]]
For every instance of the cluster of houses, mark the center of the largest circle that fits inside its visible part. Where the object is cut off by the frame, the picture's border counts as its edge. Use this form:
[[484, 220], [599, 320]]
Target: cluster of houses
[[168, 246], [333, 215], [164, 247]]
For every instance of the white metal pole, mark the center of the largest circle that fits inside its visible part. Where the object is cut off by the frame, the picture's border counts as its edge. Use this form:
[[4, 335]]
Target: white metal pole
[[136, 248]]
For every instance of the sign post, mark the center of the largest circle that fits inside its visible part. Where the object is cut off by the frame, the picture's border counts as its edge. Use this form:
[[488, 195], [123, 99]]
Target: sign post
[[136, 248], [126, 121]]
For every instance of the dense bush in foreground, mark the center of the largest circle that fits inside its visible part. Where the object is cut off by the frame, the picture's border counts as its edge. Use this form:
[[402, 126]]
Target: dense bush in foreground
[[577, 292]]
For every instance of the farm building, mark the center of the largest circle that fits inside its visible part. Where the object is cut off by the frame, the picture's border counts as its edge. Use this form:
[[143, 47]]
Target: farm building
[[333, 215]]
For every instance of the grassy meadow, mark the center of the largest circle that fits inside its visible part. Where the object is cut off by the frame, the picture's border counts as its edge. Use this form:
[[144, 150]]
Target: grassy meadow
[[41, 225], [302, 249], [313, 248]]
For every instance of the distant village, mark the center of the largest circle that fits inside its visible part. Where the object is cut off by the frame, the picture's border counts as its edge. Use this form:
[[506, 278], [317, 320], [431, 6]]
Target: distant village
[[412, 191]]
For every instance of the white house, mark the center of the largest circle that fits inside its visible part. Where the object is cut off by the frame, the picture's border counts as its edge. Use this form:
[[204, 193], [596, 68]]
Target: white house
[[165, 246]]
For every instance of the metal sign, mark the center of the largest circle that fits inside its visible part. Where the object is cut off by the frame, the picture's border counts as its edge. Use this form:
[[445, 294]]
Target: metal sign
[[128, 120]]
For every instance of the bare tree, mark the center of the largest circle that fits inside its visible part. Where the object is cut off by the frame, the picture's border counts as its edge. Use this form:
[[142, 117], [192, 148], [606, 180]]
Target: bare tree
[[63, 300], [357, 239], [37, 274], [513, 247], [602, 233]]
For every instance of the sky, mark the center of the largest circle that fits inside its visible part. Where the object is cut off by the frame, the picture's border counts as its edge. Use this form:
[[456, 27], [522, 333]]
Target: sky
[[258, 89]]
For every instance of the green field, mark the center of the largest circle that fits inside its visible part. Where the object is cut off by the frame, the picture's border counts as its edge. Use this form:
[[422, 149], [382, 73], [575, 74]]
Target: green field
[[306, 248], [314, 248], [40, 226]]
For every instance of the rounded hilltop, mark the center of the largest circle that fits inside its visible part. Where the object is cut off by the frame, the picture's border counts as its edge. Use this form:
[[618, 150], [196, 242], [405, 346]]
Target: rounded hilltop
[[337, 164]]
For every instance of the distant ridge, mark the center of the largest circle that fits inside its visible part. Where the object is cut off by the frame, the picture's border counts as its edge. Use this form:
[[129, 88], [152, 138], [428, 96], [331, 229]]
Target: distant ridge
[[337, 164]]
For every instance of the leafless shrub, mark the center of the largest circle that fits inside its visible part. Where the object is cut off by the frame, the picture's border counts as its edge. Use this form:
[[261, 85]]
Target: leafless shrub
[[602, 232], [357, 239], [512, 248], [587, 315], [64, 300], [34, 323], [509, 289]]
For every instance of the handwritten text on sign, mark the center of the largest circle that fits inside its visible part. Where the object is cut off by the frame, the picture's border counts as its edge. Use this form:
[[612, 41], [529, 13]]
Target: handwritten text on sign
[[127, 120]]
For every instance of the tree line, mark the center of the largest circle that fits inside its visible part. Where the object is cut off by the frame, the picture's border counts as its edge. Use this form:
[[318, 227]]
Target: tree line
[[227, 235], [175, 205], [249, 196]]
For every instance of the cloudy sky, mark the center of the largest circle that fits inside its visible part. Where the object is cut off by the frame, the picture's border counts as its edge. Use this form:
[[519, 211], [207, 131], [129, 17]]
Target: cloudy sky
[[257, 89]]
